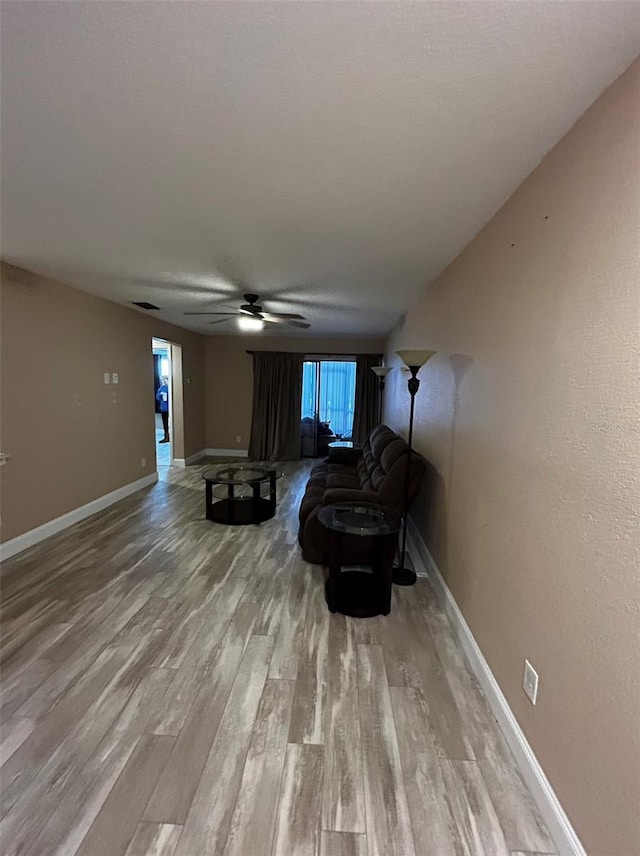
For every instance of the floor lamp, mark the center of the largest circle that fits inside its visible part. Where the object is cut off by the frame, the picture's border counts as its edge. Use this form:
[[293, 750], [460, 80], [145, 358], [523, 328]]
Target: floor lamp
[[380, 372], [414, 360]]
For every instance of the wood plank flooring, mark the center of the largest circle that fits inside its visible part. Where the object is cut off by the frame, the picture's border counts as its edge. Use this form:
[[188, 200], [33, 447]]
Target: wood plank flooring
[[176, 687]]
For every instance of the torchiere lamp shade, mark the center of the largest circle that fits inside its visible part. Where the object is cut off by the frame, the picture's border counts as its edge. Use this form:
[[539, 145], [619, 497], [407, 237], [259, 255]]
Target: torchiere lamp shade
[[415, 358], [381, 371]]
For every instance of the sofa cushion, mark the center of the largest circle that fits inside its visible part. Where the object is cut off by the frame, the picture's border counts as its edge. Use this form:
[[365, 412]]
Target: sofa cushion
[[380, 442], [391, 452], [346, 480], [368, 459], [311, 499], [343, 468], [319, 475], [377, 477], [363, 469]]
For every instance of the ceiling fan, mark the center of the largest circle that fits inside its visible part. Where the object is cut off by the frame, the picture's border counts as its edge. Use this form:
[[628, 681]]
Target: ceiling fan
[[251, 310]]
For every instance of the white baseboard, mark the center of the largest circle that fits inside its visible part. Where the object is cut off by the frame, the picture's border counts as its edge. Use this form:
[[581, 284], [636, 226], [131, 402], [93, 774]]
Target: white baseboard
[[181, 463], [34, 536], [554, 816], [228, 453]]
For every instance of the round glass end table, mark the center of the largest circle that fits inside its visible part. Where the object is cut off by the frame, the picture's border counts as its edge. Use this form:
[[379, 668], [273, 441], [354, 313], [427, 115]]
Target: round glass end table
[[360, 592], [238, 494]]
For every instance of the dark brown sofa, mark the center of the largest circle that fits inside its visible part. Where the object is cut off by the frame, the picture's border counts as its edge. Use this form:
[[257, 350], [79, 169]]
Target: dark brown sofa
[[376, 476]]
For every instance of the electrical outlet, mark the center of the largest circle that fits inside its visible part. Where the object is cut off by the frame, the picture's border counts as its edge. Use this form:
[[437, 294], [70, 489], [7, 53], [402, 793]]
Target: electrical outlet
[[530, 682], [143, 462], [238, 438]]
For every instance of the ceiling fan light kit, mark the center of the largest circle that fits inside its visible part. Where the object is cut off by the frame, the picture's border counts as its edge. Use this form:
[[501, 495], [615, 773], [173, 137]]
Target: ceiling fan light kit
[[251, 324]]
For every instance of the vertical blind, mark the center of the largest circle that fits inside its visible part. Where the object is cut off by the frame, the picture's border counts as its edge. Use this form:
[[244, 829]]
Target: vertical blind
[[337, 380]]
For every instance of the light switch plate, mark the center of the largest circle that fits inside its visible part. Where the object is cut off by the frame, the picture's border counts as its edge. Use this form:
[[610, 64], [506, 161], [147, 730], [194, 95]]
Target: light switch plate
[[114, 377], [107, 377]]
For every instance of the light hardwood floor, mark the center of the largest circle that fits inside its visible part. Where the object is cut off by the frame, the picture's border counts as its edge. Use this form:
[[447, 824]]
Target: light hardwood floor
[[175, 686]]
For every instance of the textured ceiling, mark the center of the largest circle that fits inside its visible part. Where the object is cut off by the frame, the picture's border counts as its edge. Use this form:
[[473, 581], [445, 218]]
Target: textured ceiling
[[332, 157]]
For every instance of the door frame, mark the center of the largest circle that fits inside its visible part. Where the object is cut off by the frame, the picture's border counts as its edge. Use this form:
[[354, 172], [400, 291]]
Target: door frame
[[176, 401]]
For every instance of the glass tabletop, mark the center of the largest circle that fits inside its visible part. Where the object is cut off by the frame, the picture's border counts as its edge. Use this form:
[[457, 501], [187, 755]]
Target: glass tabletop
[[238, 474], [359, 519]]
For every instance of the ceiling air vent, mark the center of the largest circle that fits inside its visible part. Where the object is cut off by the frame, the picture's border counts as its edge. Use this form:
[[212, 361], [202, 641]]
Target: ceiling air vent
[[144, 305]]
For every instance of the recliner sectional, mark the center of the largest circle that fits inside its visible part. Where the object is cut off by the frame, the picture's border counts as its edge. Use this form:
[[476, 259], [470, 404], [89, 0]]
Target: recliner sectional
[[376, 475]]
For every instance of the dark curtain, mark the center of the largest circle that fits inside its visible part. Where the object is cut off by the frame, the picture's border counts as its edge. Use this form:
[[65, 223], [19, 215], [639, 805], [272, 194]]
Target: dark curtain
[[366, 410], [277, 401]]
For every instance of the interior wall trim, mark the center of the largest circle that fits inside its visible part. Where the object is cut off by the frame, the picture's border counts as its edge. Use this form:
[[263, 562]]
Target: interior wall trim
[[52, 527], [228, 453], [191, 459], [549, 805]]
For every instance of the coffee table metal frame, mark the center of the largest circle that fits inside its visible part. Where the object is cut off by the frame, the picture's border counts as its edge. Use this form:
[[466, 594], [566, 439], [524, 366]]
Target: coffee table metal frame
[[237, 510]]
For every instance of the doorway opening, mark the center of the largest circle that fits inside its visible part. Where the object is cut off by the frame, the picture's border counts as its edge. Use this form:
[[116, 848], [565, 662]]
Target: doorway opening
[[167, 380], [328, 402], [163, 401]]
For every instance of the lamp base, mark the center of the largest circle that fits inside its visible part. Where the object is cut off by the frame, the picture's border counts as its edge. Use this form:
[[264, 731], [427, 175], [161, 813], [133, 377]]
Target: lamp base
[[404, 577]]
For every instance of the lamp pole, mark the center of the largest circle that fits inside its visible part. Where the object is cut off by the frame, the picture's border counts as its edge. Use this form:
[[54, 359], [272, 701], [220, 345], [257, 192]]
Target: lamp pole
[[414, 360], [380, 372]]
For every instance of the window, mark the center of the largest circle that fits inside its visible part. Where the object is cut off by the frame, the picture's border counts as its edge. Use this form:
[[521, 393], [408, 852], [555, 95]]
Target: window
[[328, 392]]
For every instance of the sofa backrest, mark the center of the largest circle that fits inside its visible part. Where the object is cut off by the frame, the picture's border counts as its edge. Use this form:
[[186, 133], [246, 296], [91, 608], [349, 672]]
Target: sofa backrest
[[382, 466]]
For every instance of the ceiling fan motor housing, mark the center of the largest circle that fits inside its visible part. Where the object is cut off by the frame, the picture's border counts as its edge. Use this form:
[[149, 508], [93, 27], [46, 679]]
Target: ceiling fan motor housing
[[251, 305]]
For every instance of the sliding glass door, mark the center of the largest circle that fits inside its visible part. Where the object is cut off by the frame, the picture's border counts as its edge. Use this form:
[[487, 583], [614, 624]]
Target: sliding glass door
[[328, 398]]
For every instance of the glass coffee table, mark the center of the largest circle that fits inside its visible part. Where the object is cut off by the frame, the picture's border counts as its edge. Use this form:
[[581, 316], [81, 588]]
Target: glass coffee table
[[360, 592], [238, 494]]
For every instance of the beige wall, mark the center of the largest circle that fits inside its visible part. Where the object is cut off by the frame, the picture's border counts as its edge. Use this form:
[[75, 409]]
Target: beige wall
[[72, 438], [229, 377], [530, 417]]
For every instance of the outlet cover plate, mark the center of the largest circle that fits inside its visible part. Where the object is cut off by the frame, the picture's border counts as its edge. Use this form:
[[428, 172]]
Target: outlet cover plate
[[530, 682]]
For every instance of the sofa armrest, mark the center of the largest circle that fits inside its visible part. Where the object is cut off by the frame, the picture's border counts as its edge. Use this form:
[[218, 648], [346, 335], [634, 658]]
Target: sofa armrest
[[334, 495]]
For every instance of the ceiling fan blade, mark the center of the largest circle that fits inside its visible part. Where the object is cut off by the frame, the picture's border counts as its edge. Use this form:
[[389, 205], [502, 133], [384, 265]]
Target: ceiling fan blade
[[293, 315], [221, 320], [252, 309], [290, 322]]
